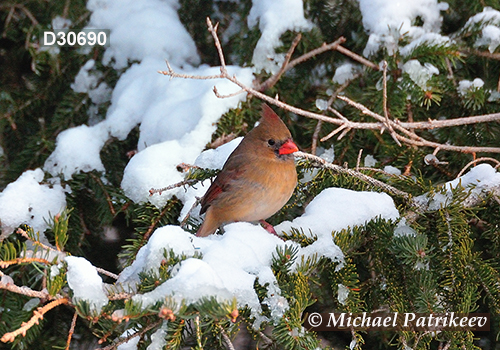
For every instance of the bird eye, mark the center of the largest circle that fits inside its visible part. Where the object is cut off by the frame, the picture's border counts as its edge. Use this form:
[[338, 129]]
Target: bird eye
[[271, 142]]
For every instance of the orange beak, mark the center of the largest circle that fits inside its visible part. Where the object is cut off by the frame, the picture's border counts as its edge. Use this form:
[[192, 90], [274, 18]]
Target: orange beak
[[288, 147]]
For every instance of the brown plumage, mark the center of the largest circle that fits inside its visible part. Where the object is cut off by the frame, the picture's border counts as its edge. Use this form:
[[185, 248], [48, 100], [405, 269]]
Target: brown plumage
[[257, 179]]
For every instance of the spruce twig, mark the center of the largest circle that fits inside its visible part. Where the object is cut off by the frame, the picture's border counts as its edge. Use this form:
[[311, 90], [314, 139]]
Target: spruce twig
[[365, 178], [11, 287], [37, 315], [136, 334], [71, 330], [226, 339]]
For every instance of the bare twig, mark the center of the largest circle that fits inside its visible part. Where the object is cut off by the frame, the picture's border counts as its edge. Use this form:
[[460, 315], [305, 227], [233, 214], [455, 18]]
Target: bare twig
[[482, 159], [388, 123], [4, 264], [26, 291], [188, 215], [419, 141], [314, 142], [136, 334], [170, 187], [357, 57], [216, 92], [332, 99], [406, 129], [365, 178], [170, 72], [323, 48], [71, 330], [226, 339], [269, 83], [107, 273], [358, 161], [37, 316], [198, 331]]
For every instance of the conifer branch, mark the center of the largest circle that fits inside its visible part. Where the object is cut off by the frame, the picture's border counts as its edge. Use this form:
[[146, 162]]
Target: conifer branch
[[365, 178], [198, 332], [37, 316], [107, 273], [11, 287], [24, 234], [71, 330], [5, 264], [226, 339], [109, 200], [171, 187], [136, 334]]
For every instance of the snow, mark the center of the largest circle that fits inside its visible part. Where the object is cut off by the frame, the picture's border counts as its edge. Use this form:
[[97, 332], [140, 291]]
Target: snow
[[482, 177], [343, 293], [465, 86], [77, 149], [131, 344], [59, 22], [403, 229], [142, 29], [228, 268], [489, 19], [274, 18], [335, 209], [30, 201], [215, 158], [430, 39], [321, 104], [85, 82], [420, 74], [230, 263], [387, 20], [85, 283], [158, 338], [392, 170], [345, 72], [31, 304], [487, 16], [490, 37], [370, 161]]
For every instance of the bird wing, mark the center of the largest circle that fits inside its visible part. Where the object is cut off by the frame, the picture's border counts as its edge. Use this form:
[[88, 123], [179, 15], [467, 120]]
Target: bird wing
[[220, 185]]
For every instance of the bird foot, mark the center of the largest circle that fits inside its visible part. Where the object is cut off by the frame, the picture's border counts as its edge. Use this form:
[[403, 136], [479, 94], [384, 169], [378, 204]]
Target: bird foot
[[269, 228]]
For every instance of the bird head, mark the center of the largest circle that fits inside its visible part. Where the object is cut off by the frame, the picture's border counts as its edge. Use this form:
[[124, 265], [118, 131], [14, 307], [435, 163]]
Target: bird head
[[273, 135]]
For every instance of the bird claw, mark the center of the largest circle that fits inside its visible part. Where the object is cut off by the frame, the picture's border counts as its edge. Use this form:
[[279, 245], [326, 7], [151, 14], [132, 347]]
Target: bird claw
[[269, 228]]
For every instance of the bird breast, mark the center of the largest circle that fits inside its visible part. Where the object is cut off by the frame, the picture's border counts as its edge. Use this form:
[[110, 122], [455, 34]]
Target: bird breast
[[266, 190]]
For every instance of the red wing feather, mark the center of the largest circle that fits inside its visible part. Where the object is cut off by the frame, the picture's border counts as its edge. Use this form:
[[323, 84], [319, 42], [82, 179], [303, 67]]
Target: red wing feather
[[220, 185]]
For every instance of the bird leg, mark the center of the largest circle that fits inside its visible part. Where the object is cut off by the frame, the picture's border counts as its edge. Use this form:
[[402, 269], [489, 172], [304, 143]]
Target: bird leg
[[268, 227]]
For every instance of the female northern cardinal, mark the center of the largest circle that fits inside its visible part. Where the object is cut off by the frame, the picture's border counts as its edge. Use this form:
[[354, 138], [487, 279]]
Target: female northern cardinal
[[257, 179]]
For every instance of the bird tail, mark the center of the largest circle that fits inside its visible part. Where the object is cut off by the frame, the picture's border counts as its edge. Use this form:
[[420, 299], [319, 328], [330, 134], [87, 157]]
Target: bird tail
[[208, 227]]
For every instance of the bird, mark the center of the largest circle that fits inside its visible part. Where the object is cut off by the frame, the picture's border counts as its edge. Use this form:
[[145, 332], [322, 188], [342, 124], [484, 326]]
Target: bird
[[257, 179]]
